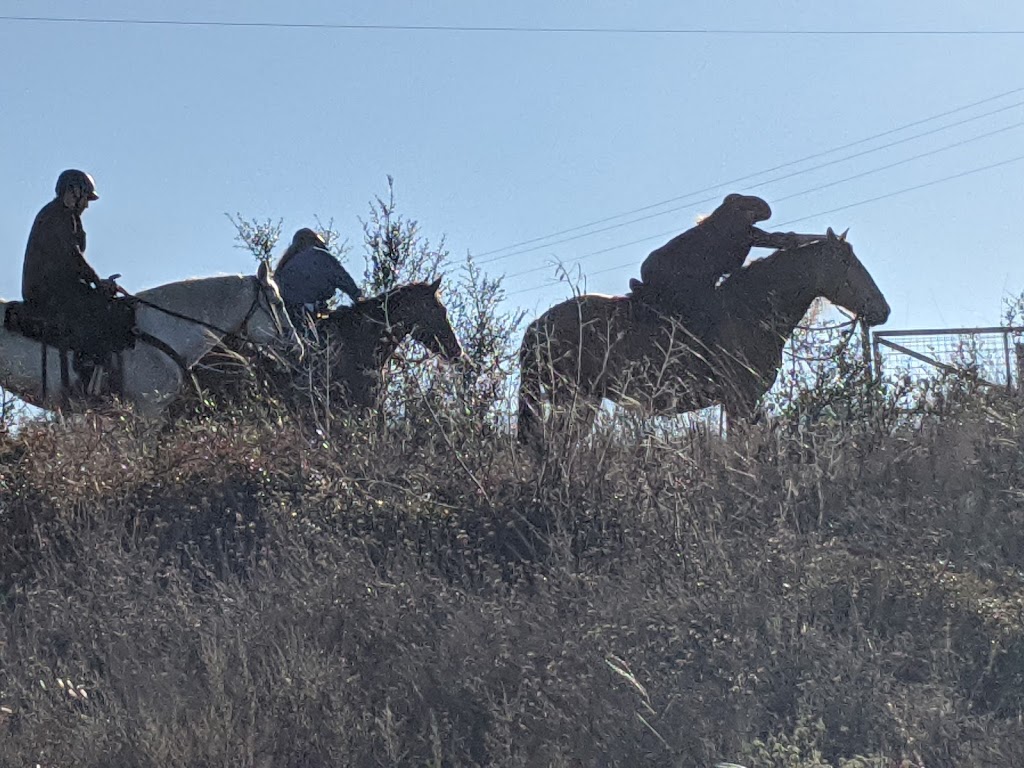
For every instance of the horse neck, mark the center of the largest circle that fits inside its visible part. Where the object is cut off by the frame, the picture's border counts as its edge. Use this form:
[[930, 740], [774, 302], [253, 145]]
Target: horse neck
[[221, 301], [394, 320], [219, 304], [786, 290]]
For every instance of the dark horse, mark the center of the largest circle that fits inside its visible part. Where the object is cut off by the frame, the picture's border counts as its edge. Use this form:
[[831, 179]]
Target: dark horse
[[364, 337], [595, 347], [359, 340]]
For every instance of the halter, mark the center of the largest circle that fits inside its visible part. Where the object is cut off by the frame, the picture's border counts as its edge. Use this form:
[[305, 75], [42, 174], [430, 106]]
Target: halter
[[851, 322]]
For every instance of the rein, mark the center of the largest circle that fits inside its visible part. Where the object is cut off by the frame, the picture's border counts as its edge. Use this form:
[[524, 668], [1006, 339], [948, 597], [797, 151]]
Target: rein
[[167, 349], [202, 323], [837, 327], [843, 344]]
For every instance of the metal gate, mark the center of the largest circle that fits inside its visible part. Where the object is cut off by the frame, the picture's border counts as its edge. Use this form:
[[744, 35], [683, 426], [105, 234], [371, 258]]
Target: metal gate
[[993, 356]]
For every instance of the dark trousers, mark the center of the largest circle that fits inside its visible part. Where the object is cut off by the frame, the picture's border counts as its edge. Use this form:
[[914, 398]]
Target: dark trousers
[[90, 321]]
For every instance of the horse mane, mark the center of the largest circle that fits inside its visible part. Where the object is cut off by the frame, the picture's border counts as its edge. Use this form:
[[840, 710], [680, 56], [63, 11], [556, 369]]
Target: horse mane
[[183, 290], [346, 317], [761, 269]]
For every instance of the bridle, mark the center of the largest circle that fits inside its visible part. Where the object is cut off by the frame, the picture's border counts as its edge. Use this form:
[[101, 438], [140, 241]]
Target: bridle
[[393, 330], [850, 323]]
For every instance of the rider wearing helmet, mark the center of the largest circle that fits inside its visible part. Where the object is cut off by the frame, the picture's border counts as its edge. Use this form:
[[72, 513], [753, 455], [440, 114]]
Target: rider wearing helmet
[[56, 279], [682, 275], [308, 276]]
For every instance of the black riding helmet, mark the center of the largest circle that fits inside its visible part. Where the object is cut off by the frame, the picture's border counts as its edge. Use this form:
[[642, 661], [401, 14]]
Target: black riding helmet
[[75, 179]]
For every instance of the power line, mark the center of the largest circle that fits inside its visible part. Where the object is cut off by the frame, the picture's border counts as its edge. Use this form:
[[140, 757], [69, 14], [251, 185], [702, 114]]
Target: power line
[[912, 158], [750, 176], [695, 31], [775, 179], [866, 201]]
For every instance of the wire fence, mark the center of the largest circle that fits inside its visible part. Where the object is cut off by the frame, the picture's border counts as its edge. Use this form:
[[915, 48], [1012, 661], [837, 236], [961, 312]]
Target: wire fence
[[994, 356]]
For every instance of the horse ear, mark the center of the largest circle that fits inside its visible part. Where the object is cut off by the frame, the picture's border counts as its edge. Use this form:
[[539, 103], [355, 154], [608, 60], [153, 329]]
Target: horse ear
[[262, 272], [842, 237], [434, 286], [830, 235]]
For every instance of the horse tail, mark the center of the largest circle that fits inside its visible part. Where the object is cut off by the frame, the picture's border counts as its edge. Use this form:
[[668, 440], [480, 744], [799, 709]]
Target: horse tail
[[530, 390]]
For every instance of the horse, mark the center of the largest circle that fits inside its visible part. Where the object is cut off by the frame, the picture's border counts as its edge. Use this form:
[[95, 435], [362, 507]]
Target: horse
[[177, 324], [593, 347], [369, 333], [359, 341]]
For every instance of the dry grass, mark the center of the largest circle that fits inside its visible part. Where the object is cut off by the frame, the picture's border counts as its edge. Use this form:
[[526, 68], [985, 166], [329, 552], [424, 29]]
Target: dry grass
[[239, 591]]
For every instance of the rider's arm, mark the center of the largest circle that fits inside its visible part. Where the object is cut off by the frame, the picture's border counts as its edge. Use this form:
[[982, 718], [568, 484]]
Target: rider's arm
[[762, 239], [343, 281], [68, 249], [86, 273]]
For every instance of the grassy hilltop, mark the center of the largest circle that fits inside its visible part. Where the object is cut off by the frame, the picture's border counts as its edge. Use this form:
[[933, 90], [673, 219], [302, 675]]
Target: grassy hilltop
[[843, 586], [239, 590]]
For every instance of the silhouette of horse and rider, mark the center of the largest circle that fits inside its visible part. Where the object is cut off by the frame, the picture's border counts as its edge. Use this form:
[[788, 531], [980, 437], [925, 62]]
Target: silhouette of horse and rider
[[697, 329], [76, 336], [684, 338]]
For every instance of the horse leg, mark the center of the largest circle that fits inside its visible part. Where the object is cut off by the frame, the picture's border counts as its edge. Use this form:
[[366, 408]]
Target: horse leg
[[584, 415], [739, 416], [572, 416], [152, 380], [530, 422]]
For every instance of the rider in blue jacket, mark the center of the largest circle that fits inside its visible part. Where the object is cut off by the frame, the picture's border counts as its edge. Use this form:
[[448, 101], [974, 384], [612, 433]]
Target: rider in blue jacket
[[308, 276]]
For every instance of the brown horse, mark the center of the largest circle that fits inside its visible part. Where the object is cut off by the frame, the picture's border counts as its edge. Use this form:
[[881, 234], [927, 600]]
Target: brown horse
[[359, 340], [595, 347], [365, 336]]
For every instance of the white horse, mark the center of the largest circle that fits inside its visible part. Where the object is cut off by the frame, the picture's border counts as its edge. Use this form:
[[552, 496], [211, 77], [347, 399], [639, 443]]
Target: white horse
[[189, 318]]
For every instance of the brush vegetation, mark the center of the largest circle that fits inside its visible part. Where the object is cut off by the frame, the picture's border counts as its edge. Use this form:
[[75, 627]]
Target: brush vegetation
[[842, 585]]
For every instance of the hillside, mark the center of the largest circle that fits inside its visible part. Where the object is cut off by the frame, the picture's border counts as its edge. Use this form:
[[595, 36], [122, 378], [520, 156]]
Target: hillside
[[238, 590]]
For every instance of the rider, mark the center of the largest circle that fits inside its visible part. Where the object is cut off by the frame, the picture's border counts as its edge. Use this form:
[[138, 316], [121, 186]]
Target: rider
[[58, 282], [308, 275], [682, 275]]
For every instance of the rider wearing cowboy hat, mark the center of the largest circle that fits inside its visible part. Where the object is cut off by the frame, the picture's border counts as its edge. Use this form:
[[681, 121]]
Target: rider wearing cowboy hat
[[682, 274]]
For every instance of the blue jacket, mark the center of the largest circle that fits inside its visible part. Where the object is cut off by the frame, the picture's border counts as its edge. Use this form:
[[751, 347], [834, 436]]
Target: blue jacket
[[312, 276]]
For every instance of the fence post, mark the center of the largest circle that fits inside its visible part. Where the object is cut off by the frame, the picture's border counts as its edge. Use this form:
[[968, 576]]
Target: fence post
[[866, 351], [1018, 347], [876, 358], [1006, 357]]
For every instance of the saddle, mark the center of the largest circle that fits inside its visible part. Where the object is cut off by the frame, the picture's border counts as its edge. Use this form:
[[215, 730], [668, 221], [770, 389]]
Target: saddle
[[95, 340], [650, 304]]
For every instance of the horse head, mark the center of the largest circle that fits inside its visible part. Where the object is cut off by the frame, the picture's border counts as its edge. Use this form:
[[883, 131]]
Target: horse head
[[850, 284], [267, 322], [420, 309]]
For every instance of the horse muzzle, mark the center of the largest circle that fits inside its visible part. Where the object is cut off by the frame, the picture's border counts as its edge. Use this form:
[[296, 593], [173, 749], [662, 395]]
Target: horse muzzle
[[875, 315]]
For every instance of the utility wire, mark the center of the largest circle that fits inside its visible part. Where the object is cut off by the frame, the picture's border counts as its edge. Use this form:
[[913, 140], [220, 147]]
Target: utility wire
[[912, 158], [707, 31], [866, 201], [490, 257]]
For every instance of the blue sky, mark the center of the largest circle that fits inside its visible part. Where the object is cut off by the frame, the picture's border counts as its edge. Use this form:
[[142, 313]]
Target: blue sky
[[498, 137]]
